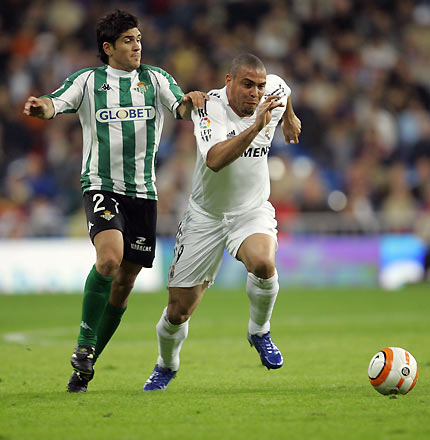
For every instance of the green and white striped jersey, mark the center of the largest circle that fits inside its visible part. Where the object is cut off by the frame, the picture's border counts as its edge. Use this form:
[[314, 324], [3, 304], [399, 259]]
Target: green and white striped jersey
[[122, 118]]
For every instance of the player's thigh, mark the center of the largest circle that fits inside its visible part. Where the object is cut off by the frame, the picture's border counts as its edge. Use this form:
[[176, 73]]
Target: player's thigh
[[252, 239], [109, 247], [257, 253], [199, 247], [105, 226], [140, 232]]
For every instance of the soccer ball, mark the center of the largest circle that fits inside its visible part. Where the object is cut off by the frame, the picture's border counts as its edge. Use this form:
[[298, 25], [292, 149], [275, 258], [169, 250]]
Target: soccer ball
[[393, 371]]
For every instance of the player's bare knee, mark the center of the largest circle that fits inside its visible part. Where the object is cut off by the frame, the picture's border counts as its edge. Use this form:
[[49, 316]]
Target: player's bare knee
[[177, 314], [263, 268], [108, 265]]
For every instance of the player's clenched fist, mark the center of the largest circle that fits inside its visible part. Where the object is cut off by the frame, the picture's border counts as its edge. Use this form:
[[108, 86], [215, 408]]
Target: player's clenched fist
[[264, 111], [39, 107]]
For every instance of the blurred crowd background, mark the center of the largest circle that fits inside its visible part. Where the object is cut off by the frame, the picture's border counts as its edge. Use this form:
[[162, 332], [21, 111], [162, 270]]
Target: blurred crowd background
[[360, 78]]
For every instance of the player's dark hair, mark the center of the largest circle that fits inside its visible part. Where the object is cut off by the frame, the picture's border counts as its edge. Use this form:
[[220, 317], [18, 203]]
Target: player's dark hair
[[110, 27], [245, 59]]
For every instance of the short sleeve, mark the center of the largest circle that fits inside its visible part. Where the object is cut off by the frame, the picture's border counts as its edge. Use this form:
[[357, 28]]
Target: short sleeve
[[170, 93], [210, 125], [68, 97], [277, 86]]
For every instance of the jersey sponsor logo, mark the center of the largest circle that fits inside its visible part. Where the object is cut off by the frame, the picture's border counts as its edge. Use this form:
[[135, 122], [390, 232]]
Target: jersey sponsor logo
[[142, 87], [125, 114], [104, 87], [140, 246], [256, 152], [107, 215]]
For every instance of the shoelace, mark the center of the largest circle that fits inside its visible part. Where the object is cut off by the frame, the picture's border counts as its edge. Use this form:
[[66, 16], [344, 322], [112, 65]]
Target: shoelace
[[160, 377], [266, 344]]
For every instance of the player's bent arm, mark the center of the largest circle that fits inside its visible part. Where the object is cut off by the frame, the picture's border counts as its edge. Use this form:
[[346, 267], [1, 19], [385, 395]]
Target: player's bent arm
[[41, 108], [225, 152]]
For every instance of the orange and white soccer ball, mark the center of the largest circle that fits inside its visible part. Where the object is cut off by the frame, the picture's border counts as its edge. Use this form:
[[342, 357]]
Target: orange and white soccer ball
[[393, 371]]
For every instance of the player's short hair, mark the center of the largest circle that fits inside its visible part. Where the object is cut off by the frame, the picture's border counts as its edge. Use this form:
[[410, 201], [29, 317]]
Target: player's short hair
[[110, 27], [245, 59]]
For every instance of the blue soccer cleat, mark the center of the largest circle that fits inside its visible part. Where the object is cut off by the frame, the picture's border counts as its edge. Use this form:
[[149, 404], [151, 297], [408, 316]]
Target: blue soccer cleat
[[269, 353], [159, 379]]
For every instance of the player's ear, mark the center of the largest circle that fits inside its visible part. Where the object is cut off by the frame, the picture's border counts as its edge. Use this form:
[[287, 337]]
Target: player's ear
[[108, 48], [228, 78]]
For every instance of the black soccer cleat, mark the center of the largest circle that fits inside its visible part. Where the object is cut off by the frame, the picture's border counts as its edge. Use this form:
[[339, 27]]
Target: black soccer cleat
[[83, 359], [78, 382]]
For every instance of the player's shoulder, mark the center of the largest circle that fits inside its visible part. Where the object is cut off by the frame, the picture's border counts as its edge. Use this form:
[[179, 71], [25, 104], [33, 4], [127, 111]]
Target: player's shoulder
[[216, 93], [154, 69], [214, 107], [84, 73], [275, 85], [216, 100]]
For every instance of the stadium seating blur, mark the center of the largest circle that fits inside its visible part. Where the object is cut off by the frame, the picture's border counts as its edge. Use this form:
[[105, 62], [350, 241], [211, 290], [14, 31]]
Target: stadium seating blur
[[360, 75]]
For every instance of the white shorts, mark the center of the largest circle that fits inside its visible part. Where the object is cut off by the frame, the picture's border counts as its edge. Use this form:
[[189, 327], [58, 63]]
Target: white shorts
[[202, 238]]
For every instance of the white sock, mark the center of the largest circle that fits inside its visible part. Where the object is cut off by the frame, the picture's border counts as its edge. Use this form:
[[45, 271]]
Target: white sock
[[262, 296], [170, 339]]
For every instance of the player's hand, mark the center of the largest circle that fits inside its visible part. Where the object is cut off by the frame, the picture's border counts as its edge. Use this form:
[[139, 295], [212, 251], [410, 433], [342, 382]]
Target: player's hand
[[196, 99], [291, 127], [37, 107], [264, 111]]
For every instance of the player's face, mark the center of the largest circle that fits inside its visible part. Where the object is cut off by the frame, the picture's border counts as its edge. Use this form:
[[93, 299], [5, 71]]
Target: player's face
[[245, 90], [126, 53]]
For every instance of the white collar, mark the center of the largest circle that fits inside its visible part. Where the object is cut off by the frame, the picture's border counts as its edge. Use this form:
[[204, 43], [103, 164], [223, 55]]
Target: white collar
[[120, 73]]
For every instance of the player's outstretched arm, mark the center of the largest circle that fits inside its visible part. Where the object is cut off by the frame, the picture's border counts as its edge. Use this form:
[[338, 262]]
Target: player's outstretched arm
[[41, 108], [189, 101], [225, 152], [291, 124]]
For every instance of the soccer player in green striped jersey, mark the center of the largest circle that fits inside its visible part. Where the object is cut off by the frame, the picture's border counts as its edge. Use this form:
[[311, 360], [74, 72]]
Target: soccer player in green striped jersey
[[120, 109]]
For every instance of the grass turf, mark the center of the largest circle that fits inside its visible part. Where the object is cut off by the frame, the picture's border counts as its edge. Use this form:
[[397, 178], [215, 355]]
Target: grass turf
[[221, 392]]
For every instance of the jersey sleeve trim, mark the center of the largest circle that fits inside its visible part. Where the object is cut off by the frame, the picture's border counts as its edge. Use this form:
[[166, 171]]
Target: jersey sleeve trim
[[172, 99]]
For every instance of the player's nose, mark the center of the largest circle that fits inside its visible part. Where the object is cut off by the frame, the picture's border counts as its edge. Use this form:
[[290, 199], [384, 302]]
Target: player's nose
[[253, 92]]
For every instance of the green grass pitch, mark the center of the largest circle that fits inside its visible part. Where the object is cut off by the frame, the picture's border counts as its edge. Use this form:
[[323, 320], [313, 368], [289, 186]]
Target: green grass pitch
[[221, 391]]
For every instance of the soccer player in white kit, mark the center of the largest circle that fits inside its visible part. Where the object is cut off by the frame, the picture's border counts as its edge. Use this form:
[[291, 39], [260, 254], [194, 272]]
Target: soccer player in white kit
[[229, 209]]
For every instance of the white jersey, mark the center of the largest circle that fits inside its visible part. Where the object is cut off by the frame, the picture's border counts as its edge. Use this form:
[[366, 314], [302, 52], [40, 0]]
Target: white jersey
[[122, 119], [244, 184]]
